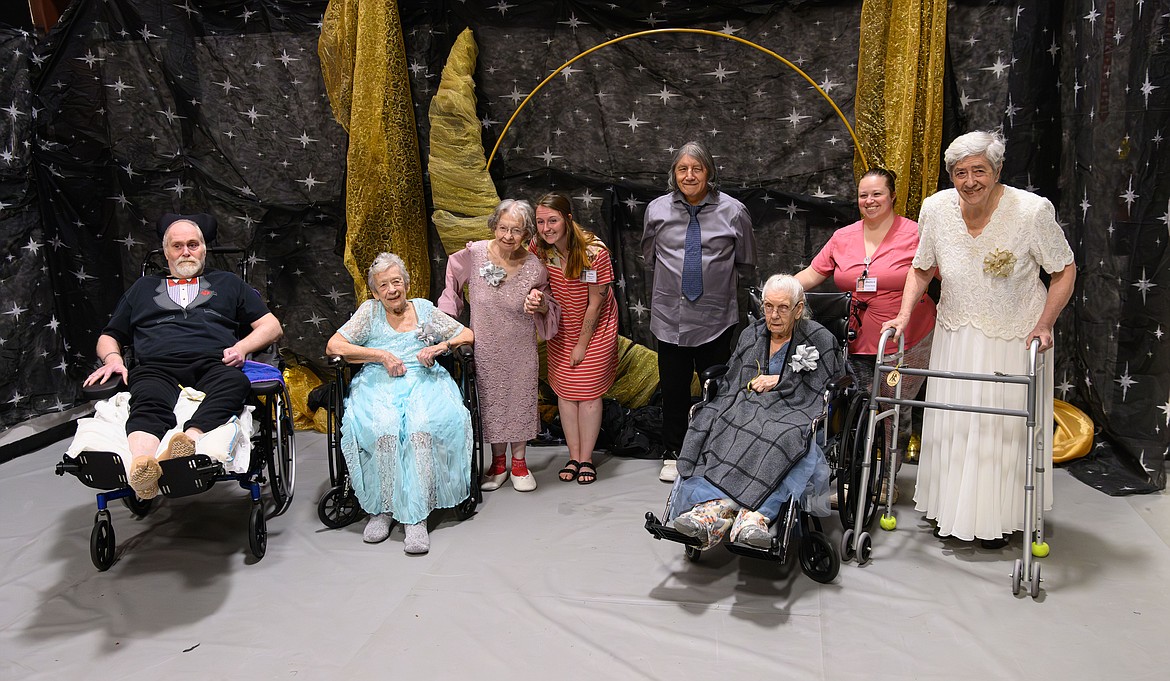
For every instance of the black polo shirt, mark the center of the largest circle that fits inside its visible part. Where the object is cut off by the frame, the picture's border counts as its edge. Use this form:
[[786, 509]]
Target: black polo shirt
[[222, 312]]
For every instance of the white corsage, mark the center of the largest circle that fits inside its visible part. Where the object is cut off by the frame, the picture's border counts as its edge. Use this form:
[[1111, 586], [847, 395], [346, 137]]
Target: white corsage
[[804, 358], [492, 273], [428, 334]]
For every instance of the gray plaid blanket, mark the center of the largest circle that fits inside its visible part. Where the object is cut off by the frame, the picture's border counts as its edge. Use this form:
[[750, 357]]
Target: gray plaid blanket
[[745, 442]]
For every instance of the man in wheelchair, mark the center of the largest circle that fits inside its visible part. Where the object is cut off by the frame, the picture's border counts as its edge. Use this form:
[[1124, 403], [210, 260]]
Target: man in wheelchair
[[184, 329], [744, 454]]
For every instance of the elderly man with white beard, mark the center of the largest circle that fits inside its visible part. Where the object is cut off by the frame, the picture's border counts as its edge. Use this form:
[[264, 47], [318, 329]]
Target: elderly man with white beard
[[184, 329]]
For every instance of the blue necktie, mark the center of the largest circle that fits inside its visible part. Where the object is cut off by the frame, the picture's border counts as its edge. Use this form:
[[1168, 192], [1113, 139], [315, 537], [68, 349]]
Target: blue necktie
[[692, 271]]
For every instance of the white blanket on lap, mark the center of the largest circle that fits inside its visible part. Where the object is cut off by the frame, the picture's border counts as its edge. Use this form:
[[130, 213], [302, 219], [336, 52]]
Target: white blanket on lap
[[230, 443]]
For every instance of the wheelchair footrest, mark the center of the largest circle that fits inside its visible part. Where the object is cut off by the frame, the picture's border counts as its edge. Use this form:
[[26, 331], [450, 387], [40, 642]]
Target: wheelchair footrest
[[100, 470], [660, 531], [774, 553], [188, 475]]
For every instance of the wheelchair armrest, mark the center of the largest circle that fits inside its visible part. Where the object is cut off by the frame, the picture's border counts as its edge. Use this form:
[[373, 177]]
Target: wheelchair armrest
[[336, 361], [713, 372], [839, 384], [464, 352], [104, 390]]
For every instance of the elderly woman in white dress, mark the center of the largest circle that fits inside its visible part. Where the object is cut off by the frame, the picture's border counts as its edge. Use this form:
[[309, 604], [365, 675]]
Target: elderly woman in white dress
[[988, 242]]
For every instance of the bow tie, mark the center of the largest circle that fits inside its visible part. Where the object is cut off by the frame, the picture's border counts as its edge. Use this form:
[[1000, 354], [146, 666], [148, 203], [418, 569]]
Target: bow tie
[[180, 282]]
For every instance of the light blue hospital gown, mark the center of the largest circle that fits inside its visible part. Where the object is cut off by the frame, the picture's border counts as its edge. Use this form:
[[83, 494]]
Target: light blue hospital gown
[[406, 439]]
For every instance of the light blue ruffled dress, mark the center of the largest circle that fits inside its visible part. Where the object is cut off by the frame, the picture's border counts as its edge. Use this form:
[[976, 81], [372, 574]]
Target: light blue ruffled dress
[[406, 439]]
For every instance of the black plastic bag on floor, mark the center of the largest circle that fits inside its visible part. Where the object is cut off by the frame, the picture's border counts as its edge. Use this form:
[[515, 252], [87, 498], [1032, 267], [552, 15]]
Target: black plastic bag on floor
[[632, 433]]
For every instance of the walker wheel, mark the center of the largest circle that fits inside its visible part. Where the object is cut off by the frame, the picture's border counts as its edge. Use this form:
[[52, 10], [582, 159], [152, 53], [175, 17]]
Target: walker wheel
[[888, 522], [1040, 550], [1034, 585], [864, 548], [1017, 576], [847, 552], [102, 542]]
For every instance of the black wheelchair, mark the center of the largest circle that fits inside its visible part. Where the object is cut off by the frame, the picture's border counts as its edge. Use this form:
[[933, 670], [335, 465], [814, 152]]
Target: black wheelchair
[[339, 505], [840, 429], [272, 462]]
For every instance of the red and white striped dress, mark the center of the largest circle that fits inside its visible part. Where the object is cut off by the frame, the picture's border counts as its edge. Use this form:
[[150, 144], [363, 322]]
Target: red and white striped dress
[[591, 378]]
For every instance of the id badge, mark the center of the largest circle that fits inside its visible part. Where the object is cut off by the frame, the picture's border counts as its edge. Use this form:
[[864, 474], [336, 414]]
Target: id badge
[[589, 276], [867, 284]]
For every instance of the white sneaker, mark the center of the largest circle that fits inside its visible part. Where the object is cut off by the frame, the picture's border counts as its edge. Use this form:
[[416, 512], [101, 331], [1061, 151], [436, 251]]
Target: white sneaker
[[669, 472], [377, 528]]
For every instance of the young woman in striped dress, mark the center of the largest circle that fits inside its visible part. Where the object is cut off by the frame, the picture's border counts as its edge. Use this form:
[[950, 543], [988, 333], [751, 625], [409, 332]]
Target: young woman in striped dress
[[582, 357]]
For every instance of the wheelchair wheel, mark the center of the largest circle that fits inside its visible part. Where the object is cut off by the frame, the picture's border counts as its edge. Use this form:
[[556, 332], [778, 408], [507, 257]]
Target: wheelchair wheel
[[257, 531], [102, 542], [818, 558], [139, 507], [282, 457], [852, 452], [692, 553], [339, 507], [465, 509]]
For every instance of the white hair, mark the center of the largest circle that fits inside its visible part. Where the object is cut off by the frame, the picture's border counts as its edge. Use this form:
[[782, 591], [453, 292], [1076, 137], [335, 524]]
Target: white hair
[[383, 262], [789, 286], [517, 208], [990, 145]]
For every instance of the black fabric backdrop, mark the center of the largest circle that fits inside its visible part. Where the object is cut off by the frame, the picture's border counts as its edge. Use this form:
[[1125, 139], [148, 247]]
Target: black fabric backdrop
[[132, 108]]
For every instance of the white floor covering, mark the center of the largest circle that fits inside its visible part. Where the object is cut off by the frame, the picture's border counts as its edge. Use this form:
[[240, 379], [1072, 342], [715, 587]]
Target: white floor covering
[[562, 583]]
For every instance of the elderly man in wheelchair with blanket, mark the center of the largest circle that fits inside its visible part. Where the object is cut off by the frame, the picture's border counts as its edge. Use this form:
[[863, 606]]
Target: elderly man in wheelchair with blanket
[[750, 448], [184, 329]]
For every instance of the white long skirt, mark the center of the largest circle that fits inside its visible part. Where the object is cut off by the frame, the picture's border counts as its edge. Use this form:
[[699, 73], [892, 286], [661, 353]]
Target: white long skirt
[[971, 466]]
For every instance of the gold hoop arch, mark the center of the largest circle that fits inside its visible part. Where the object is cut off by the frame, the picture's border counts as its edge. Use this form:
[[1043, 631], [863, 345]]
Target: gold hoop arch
[[701, 31]]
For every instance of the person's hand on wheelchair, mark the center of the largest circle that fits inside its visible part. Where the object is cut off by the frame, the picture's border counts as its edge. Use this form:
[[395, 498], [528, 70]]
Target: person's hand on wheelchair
[[394, 366], [104, 372], [233, 356]]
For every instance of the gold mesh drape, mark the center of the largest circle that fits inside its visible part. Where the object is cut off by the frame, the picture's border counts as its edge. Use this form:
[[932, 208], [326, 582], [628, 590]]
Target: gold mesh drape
[[363, 62], [461, 187], [899, 104]]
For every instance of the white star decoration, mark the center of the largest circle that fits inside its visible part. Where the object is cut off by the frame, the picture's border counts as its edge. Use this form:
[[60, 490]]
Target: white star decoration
[[1126, 382], [1144, 285]]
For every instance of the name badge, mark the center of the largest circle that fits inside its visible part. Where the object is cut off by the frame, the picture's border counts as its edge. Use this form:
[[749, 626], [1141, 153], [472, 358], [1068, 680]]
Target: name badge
[[589, 276], [867, 284]]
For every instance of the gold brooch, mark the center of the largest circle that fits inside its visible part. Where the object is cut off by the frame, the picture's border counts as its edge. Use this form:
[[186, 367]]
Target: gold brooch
[[999, 263]]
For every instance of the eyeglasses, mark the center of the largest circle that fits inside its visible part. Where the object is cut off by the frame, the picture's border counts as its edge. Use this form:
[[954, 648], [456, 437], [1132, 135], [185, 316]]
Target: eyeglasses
[[783, 310], [519, 232]]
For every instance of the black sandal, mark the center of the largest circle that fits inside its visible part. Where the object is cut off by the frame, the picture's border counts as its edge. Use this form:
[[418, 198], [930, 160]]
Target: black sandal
[[591, 473], [572, 468]]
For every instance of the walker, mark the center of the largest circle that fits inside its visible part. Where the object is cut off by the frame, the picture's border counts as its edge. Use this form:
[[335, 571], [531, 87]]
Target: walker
[[857, 542]]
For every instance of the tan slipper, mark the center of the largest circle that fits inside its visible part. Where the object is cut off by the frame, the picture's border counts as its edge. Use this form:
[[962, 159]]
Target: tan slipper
[[144, 475], [181, 445]]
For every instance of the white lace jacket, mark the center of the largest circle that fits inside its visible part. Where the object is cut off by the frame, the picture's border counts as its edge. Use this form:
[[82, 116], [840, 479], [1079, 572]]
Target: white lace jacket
[[992, 281]]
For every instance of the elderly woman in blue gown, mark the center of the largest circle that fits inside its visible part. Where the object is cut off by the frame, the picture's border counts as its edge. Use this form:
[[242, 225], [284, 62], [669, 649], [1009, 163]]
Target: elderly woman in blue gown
[[748, 450], [406, 435]]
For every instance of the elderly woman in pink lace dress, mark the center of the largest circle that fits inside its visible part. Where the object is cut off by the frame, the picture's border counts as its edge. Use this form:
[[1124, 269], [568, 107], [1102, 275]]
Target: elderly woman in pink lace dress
[[510, 303]]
